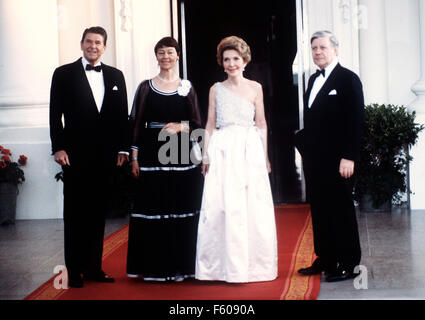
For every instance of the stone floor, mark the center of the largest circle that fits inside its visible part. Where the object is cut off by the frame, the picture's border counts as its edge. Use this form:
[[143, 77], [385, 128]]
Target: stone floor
[[393, 245]]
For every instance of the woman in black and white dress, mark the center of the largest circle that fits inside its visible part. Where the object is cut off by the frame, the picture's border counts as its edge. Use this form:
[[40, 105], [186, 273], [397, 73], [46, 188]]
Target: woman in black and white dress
[[163, 222]]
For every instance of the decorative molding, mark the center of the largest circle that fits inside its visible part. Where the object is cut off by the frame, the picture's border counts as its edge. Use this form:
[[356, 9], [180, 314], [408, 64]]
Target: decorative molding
[[345, 8], [126, 15], [24, 116], [62, 15]]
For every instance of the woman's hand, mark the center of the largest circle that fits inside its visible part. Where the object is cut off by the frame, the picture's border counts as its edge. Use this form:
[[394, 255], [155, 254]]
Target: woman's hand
[[135, 169], [173, 127], [205, 167], [269, 167], [122, 158]]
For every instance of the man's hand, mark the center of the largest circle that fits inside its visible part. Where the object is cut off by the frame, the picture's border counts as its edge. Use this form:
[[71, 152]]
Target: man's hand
[[61, 157], [122, 158], [346, 168]]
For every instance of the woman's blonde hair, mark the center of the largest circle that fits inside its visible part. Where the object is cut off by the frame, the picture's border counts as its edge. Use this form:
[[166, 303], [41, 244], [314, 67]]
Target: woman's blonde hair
[[233, 43]]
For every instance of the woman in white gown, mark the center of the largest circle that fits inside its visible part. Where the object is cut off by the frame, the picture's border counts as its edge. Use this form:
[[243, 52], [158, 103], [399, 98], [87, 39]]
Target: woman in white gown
[[237, 230]]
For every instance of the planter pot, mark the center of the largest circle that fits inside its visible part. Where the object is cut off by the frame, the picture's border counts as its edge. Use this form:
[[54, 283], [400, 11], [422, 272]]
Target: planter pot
[[365, 205], [8, 195]]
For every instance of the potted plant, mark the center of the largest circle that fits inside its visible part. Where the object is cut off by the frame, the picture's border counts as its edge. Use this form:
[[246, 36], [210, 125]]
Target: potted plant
[[381, 172], [11, 175]]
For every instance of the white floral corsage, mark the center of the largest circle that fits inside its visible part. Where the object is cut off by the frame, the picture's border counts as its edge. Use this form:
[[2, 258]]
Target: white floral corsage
[[184, 88]]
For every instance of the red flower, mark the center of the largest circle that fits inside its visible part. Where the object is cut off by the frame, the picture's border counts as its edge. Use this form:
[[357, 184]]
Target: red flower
[[6, 159], [6, 151], [2, 165], [22, 160]]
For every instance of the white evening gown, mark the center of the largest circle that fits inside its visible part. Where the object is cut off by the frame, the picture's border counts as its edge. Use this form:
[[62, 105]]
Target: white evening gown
[[237, 229]]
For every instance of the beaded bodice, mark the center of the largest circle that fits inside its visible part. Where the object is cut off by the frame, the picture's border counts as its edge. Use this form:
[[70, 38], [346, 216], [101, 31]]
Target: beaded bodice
[[232, 109]]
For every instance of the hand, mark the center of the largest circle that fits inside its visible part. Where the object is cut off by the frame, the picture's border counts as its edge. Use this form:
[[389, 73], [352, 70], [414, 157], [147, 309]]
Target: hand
[[346, 168], [173, 127], [205, 167], [62, 158], [269, 167], [122, 158], [135, 169]]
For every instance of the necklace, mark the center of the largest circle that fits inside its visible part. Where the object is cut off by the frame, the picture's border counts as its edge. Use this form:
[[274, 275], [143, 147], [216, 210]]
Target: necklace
[[167, 81]]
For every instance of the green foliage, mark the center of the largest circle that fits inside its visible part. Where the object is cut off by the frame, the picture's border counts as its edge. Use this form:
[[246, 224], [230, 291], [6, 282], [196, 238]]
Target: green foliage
[[381, 171]]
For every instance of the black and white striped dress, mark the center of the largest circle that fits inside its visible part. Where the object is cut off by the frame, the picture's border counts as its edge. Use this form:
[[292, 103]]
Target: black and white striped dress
[[163, 222]]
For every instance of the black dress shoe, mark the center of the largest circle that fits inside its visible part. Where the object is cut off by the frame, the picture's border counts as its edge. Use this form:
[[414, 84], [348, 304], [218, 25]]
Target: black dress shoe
[[75, 282], [315, 268], [340, 275], [99, 277]]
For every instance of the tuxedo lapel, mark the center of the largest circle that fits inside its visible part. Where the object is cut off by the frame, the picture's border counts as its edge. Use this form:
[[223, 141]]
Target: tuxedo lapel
[[309, 88], [107, 80], [83, 87], [326, 86]]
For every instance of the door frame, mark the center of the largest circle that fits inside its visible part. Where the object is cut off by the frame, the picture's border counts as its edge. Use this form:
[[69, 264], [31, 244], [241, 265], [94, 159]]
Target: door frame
[[178, 23]]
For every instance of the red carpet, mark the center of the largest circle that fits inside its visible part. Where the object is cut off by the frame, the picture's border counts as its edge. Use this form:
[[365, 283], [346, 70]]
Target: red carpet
[[295, 250]]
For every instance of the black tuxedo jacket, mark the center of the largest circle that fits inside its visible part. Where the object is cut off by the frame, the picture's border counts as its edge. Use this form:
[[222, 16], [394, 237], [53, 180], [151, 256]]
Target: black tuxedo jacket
[[333, 126], [88, 136]]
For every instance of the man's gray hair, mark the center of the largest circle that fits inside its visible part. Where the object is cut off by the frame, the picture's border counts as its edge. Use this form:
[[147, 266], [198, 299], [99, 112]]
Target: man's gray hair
[[325, 34]]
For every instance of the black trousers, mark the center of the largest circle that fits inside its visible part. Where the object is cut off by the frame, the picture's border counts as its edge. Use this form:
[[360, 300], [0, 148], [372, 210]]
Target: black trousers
[[336, 236], [85, 204]]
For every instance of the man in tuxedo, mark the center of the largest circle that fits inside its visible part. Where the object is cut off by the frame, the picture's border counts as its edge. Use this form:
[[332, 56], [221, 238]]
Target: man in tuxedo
[[329, 144], [90, 143]]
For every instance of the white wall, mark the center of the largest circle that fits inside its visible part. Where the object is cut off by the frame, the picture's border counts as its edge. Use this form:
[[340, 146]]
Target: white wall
[[403, 47]]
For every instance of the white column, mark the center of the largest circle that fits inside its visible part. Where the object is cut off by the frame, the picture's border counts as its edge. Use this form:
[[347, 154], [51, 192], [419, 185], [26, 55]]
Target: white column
[[417, 167], [29, 55], [373, 51]]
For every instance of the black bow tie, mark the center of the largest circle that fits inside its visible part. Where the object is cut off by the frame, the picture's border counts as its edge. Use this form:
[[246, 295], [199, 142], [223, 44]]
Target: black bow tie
[[320, 72], [90, 67]]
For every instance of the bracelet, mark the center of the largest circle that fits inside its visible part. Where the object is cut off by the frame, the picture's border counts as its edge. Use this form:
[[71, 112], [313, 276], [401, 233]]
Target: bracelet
[[134, 159]]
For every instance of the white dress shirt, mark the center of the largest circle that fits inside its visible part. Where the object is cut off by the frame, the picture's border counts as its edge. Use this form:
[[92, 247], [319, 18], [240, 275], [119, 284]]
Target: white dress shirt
[[96, 82], [320, 81], [97, 86]]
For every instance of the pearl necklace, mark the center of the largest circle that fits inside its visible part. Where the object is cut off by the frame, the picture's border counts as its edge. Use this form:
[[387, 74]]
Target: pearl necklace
[[167, 81]]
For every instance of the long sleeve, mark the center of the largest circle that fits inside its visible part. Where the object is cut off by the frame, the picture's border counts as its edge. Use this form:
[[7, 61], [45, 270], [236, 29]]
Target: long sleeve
[[353, 95], [195, 120], [57, 107], [137, 113], [124, 124]]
